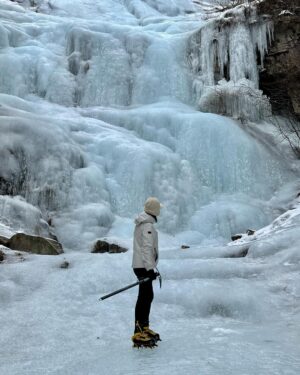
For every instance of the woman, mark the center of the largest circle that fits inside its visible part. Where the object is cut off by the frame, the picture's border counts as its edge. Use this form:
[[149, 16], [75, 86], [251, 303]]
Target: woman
[[145, 259]]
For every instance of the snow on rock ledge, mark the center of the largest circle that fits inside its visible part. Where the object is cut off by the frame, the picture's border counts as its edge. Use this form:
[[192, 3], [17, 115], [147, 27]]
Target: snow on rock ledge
[[281, 237]]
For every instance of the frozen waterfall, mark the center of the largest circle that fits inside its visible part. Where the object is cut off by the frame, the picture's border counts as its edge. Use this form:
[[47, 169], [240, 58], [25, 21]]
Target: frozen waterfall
[[103, 103], [99, 108]]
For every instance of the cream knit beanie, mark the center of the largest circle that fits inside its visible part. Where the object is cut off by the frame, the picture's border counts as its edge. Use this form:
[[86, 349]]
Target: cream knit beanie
[[152, 206]]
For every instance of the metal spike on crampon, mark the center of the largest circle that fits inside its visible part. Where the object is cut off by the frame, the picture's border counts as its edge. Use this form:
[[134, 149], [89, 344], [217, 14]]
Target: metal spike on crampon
[[145, 345]]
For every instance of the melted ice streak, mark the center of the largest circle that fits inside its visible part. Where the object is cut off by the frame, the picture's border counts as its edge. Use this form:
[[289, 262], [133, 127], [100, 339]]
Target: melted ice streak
[[99, 110]]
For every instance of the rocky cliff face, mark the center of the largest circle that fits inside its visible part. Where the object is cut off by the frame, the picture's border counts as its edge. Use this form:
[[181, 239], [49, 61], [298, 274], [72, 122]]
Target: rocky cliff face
[[280, 77]]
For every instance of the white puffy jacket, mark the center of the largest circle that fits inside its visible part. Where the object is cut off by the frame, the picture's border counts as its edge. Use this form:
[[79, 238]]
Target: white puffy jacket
[[145, 243]]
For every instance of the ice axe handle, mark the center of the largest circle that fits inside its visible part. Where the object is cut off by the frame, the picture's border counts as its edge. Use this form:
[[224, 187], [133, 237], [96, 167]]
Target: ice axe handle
[[125, 288]]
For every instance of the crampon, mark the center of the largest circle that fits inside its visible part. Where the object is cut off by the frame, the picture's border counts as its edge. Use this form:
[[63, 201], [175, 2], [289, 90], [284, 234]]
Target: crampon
[[144, 345], [142, 340], [152, 334]]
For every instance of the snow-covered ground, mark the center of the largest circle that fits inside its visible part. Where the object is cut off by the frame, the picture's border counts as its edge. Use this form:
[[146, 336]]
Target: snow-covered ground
[[216, 315], [99, 108]]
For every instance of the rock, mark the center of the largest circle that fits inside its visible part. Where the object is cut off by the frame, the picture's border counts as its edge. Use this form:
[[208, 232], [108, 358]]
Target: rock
[[56, 244], [4, 241], [101, 247], [114, 249], [35, 244], [105, 247], [241, 253], [280, 78], [185, 247], [236, 237], [2, 256], [65, 264]]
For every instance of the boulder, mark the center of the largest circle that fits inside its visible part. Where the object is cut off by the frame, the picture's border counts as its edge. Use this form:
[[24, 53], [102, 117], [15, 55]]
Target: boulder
[[113, 249], [56, 244], [101, 246], [250, 232], [2, 256], [185, 247], [4, 241], [35, 244], [236, 237]]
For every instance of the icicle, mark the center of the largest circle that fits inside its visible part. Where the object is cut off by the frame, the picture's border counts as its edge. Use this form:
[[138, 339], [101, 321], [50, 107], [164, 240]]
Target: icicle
[[223, 57]]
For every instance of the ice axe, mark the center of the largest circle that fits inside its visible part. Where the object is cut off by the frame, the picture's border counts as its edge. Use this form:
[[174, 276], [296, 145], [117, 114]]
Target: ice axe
[[141, 281]]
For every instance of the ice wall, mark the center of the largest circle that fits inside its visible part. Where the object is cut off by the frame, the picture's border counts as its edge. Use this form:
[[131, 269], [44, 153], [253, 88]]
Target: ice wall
[[206, 158], [99, 109]]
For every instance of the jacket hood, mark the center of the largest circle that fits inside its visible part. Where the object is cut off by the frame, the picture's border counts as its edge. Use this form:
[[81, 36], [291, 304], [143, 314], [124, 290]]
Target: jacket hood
[[144, 218]]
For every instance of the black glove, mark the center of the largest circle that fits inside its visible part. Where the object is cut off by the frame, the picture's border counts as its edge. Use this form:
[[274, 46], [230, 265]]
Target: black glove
[[152, 274]]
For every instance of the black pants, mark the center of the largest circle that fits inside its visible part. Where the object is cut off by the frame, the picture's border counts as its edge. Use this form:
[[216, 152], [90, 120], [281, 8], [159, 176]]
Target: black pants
[[145, 298]]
